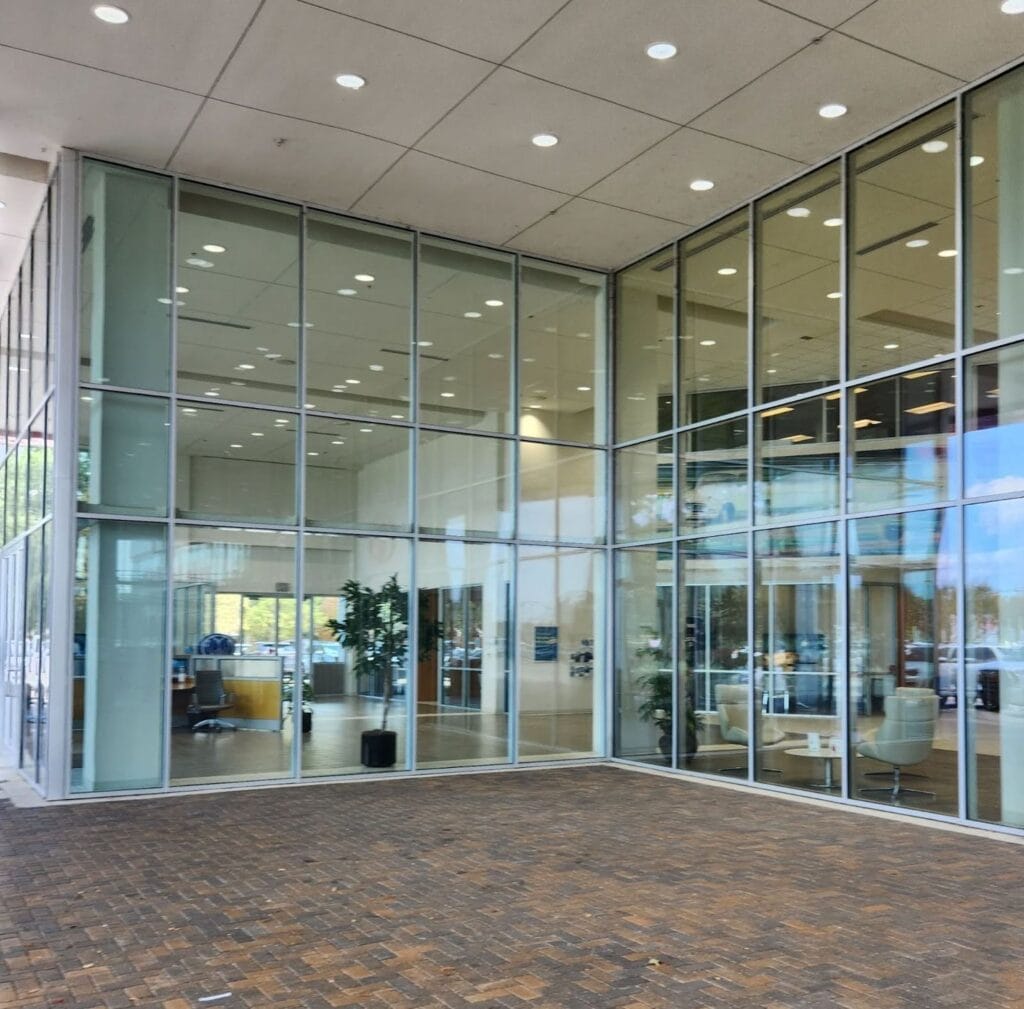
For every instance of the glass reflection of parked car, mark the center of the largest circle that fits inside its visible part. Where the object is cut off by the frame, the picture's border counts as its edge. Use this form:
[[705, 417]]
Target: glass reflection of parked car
[[919, 663], [984, 667]]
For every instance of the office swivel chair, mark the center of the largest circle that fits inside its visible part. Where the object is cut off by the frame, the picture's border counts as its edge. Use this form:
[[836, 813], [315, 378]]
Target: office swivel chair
[[211, 699], [731, 700], [904, 738]]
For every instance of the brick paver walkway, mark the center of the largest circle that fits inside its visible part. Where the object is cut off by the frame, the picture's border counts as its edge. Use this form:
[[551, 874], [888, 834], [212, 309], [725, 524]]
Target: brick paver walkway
[[585, 888]]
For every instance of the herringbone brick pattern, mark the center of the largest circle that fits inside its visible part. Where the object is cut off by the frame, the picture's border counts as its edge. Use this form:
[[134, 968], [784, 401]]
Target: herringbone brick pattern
[[585, 888]]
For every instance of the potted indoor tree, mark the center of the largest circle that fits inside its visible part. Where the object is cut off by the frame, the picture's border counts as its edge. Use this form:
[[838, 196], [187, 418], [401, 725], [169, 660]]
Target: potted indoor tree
[[375, 632], [656, 705]]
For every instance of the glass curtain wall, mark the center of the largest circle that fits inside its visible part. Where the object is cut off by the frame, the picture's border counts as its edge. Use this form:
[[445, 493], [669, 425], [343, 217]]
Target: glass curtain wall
[[841, 533], [314, 516]]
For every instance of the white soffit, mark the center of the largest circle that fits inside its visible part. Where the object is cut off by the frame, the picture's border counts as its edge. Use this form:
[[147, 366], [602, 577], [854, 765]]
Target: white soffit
[[242, 92]]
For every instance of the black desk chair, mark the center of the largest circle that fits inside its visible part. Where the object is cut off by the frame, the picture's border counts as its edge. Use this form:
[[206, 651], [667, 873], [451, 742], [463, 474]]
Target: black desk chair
[[211, 699]]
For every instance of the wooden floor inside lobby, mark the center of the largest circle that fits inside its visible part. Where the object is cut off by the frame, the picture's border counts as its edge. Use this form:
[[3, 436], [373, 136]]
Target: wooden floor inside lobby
[[586, 887]]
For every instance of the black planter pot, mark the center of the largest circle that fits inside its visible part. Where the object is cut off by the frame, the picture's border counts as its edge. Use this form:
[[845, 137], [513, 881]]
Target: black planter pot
[[378, 747], [307, 721]]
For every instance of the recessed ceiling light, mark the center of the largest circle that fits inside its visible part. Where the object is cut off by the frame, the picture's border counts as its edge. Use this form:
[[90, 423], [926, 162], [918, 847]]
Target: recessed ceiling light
[[583, 388], [529, 360], [280, 420], [245, 367], [447, 395], [376, 367], [833, 110], [976, 159], [366, 430], [533, 406], [891, 346], [346, 292], [727, 271], [256, 434], [167, 301], [448, 378], [494, 303], [236, 444], [352, 381], [708, 343], [337, 441], [701, 185], [203, 264], [181, 290], [312, 453], [703, 378], [189, 410], [309, 406], [917, 243], [544, 140], [934, 146], [211, 393], [1012, 6], [1013, 271], [777, 411], [214, 248], [424, 343], [2, 205], [351, 81], [799, 212], [398, 416], [296, 325], [86, 399], [471, 315], [771, 371], [834, 294], [947, 253], [365, 278], [832, 222], [272, 357], [661, 50], [110, 14]]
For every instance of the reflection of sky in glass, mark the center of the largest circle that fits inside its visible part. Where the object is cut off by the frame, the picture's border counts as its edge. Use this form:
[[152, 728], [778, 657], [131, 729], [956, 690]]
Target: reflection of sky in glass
[[994, 462]]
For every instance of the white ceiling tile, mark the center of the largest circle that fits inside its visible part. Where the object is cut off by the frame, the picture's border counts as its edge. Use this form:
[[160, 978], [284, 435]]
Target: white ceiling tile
[[293, 52], [595, 234], [492, 128], [437, 195], [779, 112], [966, 39], [182, 44], [598, 46], [826, 12], [22, 199], [321, 164], [48, 103], [12, 251], [490, 31], [658, 181]]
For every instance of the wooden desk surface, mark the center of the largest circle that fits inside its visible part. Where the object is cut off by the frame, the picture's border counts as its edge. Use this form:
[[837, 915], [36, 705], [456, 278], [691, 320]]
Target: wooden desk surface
[[188, 684]]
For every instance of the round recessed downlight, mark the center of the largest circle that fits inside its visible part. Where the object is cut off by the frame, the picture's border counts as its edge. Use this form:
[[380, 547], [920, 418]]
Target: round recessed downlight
[[976, 159], [834, 294], [215, 249], [947, 253], [494, 303], [727, 271], [203, 264], [917, 243], [495, 356], [181, 290], [236, 444], [245, 367], [1013, 271], [701, 185], [891, 346], [256, 434], [833, 110], [583, 388], [544, 140], [297, 325], [398, 416], [708, 343], [472, 315], [351, 81], [312, 453], [799, 212], [424, 343], [832, 222], [934, 146], [337, 441], [447, 395], [366, 430], [189, 410], [346, 292], [661, 50], [376, 367], [110, 14], [2, 205], [353, 381], [1012, 6], [365, 278]]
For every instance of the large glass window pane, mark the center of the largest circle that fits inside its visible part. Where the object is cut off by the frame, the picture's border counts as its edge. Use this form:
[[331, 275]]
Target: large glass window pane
[[45, 622], [41, 295], [903, 245], [994, 660], [465, 485], [36, 458], [561, 652], [357, 474], [713, 279], [797, 649], [466, 298], [359, 304], [642, 724], [6, 374], [48, 460], [234, 655], [714, 485], [18, 368], [994, 422], [126, 277], [119, 659], [902, 671], [798, 295], [123, 445], [644, 495], [30, 653], [713, 681], [644, 336], [562, 343], [797, 466], [994, 174], [463, 666], [561, 493], [355, 654], [903, 434], [235, 463], [238, 296]]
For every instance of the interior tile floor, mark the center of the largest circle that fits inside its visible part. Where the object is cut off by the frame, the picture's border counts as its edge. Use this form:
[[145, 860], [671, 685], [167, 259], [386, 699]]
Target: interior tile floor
[[586, 887]]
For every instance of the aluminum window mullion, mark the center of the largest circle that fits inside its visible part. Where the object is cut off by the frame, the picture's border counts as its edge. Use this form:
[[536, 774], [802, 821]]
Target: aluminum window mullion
[[753, 705], [841, 657], [413, 603]]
